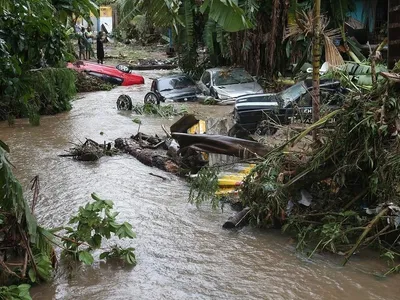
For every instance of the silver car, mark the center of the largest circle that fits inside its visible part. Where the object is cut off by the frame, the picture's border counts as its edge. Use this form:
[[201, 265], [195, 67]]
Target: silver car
[[226, 84]]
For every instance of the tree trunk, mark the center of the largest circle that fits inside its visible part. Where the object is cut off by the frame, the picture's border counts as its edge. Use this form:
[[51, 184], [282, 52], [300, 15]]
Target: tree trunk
[[259, 50], [146, 156], [316, 64]]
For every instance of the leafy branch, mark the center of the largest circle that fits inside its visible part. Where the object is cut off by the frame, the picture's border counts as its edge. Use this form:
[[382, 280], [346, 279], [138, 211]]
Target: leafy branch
[[92, 224]]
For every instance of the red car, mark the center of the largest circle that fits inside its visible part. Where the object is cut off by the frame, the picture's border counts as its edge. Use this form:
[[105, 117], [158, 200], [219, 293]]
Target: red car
[[107, 73]]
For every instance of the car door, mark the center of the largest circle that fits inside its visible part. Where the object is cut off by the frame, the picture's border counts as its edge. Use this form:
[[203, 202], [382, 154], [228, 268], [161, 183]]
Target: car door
[[205, 83]]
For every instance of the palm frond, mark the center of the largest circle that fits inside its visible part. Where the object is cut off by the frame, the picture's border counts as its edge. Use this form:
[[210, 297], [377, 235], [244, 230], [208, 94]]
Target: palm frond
[[227, 14], [304, 26], [208, 37]]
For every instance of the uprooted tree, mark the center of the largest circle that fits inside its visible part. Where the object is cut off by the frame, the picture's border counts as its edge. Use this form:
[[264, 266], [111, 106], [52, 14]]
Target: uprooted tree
[[27, 252]]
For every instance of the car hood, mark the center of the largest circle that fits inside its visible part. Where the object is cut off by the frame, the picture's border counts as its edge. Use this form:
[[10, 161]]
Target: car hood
[[236, 90], [180, 93]]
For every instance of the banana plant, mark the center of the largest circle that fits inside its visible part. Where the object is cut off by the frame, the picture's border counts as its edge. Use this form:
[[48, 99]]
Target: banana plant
[[165, 13], [68, 9]]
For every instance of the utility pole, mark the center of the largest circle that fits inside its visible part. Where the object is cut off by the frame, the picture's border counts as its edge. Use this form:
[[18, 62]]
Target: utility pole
[[316, 64]]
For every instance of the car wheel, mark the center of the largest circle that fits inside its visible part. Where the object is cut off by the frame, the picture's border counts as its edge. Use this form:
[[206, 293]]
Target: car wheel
[[124, 102], [152, 98]]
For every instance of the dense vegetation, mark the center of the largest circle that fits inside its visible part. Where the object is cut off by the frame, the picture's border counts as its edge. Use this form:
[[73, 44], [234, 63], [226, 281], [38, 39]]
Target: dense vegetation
[[34, 45], [244, 32]]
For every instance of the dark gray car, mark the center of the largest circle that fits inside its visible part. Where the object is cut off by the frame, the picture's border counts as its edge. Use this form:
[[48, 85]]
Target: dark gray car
[[177, 88], [295, 102]]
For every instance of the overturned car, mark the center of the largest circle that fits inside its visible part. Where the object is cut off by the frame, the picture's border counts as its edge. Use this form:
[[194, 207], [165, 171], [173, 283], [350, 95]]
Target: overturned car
[[263, 113]]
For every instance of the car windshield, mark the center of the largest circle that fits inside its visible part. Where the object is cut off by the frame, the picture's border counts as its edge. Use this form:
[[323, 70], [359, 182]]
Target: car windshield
[[293, 92], [177, 83], [234, 76]]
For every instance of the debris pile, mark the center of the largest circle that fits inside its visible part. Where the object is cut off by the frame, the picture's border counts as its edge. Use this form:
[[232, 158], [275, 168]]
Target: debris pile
[[149, 150], [344, 193], [88, 83], [90, 151], [164, 111]]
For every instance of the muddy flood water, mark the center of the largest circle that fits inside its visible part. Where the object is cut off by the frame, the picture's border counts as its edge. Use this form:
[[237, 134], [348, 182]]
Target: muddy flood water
[[182, 251]]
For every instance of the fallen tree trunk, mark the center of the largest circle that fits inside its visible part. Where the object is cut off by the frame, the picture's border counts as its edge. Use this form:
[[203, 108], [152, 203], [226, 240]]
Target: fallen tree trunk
[[147, 157], [221, 144]]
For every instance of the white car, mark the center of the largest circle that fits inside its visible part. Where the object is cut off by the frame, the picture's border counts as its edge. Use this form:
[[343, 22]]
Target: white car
[[226, 84]]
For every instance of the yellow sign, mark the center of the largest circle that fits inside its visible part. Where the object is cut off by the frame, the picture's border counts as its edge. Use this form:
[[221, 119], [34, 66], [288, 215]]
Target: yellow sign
[[105, 11]]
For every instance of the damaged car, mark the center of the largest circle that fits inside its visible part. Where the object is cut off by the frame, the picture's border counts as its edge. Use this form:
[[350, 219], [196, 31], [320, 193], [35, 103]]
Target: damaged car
[[263, 113], [176, 88], [226, 84]]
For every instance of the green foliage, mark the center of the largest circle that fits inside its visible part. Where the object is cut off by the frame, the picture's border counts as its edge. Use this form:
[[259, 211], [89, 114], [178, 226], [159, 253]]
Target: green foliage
[[53, 89], [43, 268], [88, 83], [22, 237], [42, 91], [127, 255], [191, 19], [95, 221], [15, 292], [353, 167], [204, 186], [227, 14], [72, 8], [31, 38], [12, 199], [164, 111], [137, 121]]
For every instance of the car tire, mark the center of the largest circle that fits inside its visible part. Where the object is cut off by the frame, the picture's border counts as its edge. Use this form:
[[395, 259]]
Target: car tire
[[124, 102], [151, 98]]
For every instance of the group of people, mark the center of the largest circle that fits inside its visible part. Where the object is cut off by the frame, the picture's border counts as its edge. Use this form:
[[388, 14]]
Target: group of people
[[85, 42]]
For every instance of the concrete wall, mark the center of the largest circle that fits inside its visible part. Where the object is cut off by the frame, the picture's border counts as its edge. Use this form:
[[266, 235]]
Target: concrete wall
[[106, 19]]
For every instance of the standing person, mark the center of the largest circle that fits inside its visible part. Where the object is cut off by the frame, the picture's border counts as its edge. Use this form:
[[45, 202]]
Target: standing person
[[89, 39], [82, 42], [100, 47]]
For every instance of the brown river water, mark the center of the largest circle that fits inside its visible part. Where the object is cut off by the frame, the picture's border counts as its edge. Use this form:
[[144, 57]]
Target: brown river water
[[182, 251]]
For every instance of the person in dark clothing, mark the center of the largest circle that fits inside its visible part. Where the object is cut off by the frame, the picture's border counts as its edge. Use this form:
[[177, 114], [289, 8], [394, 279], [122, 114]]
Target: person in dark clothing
[[100, 47], [82, 44]]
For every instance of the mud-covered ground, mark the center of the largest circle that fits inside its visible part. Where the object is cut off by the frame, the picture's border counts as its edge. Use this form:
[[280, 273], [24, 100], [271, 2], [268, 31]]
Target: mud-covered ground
[[116, 52]]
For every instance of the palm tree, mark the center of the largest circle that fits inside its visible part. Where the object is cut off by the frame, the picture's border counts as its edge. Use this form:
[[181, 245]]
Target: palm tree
[[314, 26], [316, 64]]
